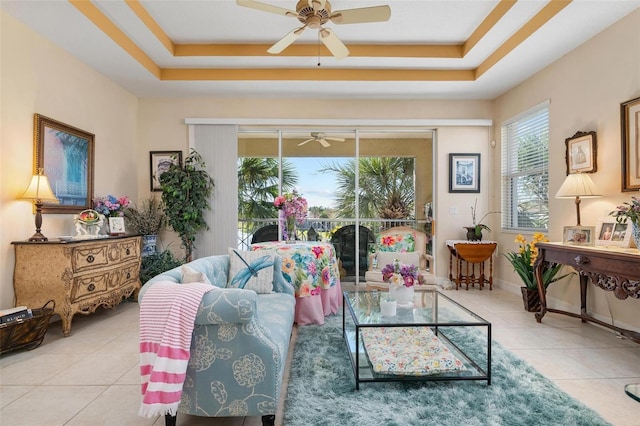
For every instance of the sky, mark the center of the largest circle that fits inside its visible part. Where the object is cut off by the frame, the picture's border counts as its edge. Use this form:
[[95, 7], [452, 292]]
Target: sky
[[318, 188]]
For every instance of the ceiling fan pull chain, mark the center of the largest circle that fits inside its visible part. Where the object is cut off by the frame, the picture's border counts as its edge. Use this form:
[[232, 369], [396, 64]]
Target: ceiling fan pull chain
[[318, 48]]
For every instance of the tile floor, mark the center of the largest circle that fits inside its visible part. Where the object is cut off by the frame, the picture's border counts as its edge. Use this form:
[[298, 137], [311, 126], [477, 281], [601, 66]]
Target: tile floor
[[91, 378]]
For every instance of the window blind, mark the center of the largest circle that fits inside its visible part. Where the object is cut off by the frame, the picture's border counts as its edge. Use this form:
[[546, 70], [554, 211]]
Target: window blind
[[525, 170]]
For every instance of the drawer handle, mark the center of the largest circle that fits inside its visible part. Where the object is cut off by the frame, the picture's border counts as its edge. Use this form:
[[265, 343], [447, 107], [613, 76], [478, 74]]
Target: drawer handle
[[581, 260], [128, 252], [128, 275], [91, 287], [90, 258]]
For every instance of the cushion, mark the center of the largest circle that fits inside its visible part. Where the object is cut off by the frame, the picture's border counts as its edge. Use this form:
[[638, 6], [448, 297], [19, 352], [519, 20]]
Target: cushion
[[408, 351], [406, 258], [251, 270], [190, 275], [401, 242]]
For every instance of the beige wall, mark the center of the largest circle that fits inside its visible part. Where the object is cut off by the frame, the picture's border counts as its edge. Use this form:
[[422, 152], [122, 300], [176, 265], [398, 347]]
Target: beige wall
[[39, 77], [585, 89]]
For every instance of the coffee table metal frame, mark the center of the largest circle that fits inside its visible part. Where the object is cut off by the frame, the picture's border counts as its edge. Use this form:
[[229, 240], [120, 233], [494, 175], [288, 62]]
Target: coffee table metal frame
[[356, 350]]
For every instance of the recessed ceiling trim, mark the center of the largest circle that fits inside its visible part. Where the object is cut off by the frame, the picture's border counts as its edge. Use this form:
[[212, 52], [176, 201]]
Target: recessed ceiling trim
[[151, 24], [101, 21], [487, 24], [323, 74], [545, 15]]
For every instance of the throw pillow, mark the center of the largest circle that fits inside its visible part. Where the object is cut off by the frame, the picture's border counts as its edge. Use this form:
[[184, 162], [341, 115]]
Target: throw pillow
[[252, 270], [397, 242], [190, 275]]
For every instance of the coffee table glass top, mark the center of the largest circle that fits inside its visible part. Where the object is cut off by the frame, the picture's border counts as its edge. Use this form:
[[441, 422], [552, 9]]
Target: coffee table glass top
[[430, 308]]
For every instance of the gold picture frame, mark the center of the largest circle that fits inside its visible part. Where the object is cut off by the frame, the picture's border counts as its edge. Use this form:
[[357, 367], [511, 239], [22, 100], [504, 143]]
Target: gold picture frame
[[630, 127], [65, 154], [581, 153]]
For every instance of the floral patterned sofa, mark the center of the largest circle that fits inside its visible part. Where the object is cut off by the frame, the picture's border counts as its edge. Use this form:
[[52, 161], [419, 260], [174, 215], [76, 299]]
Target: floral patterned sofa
[[239, 345]]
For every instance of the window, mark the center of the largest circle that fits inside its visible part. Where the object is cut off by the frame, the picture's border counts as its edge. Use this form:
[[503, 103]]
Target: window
[[525, 171]]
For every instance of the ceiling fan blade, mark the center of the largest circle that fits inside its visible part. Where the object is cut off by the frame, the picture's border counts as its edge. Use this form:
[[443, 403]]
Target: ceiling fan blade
[[324, 143], [307, 141], [285, 41], [361, 15], [334, 44], [334, 139], [266, 7]]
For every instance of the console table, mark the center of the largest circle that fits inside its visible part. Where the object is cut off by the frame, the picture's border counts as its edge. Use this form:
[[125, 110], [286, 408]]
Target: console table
[[79, 275], [610, 269]]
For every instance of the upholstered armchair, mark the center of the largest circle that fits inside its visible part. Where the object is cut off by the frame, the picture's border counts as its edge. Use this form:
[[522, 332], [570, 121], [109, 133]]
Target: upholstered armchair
[[406, 244]]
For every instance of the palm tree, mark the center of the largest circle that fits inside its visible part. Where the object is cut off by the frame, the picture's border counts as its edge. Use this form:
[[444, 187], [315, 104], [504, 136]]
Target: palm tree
[[386, 187], [258, 186]]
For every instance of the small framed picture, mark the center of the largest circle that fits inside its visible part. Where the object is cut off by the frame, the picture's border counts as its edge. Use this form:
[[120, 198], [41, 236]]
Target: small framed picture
[[579, 235], [611, 233], [464, 173], [581, 153], [116, 226], [159, 162]]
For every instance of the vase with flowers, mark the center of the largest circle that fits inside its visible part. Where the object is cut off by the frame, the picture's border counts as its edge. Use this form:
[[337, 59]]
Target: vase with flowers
[[293, 210], [474, 233], [112, 208], [630, 212], [401, 279], [522, 262]]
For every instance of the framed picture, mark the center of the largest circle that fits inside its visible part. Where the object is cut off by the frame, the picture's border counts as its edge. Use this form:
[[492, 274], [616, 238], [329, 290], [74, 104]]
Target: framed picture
[[464, 172], [116, 226], [159, 162], [611, 233], [579, 235], [65, 154], [630, 125], [581, 153]]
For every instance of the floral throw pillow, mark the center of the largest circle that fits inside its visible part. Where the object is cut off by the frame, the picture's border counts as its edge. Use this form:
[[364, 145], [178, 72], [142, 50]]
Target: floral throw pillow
[[397, 242], [251, 270]]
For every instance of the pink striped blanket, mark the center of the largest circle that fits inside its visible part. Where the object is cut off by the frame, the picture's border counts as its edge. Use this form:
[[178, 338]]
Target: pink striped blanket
[[167, 315]]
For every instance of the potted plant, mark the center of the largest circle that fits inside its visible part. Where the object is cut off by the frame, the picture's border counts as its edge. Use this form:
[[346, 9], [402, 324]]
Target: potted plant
[[148, 219], [522, 262], [630, 211], [186, 188], [157, 263], [474, 233]]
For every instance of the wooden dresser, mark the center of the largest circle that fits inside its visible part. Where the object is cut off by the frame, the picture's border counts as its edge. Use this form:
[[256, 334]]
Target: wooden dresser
[[78, 275]]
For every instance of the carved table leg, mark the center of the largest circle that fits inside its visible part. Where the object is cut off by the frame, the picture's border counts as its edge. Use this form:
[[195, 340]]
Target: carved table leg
[[583, 295]]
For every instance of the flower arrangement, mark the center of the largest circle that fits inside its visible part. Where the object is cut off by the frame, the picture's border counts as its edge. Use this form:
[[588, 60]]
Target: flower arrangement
[[293, 209], [479, 226], [400, 274], [523, 260], [628, 211], [111, 206]]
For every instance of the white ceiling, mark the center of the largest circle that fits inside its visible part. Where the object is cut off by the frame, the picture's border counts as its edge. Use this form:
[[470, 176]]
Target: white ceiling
[[416, 22]]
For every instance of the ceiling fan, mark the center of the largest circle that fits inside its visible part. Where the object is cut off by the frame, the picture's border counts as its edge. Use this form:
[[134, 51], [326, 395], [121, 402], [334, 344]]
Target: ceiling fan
[[322, 139], [314, 14]]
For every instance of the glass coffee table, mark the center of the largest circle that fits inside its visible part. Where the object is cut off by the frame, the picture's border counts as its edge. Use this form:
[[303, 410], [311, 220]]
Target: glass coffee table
[[435, 339]]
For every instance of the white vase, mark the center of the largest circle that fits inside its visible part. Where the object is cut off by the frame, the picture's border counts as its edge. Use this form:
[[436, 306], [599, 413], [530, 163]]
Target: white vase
[[402, 294]]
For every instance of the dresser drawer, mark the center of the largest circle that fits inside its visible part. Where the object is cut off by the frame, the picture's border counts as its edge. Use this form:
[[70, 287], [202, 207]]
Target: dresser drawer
[[89, 286], [129, 250], [123, 275], [92, 257]]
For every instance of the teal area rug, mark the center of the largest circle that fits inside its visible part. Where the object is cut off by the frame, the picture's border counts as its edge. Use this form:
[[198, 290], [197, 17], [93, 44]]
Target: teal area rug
[[321, 391]]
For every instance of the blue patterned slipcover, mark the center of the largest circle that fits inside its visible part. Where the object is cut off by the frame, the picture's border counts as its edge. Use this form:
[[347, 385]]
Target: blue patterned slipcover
[[239, 346]]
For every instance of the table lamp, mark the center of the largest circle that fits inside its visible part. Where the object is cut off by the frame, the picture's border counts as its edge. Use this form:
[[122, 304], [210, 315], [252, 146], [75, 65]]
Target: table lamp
[[39, 191], [577, 185]]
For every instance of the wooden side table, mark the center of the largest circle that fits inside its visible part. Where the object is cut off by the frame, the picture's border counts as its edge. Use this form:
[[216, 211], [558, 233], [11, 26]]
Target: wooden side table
[[469, 255]]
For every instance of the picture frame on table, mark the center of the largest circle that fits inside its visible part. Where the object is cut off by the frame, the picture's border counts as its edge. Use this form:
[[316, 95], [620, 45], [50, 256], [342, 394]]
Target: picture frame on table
[[65, 154], [464, 173], [611, 233], [579, 235], [630, 127], [159, 162], [116, 226], [580, 155]]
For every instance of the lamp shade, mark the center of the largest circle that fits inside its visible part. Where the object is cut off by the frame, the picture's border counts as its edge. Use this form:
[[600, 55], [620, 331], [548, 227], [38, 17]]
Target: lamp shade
[[578, 185], [39, 190]]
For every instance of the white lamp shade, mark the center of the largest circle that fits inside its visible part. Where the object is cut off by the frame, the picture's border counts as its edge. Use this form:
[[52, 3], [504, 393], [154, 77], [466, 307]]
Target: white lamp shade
[[578, 185], [39, 190]]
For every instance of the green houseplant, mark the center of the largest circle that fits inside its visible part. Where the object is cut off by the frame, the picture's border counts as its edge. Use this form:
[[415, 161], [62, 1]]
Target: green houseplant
[[186, 188], [157, 263], [474, 233], [522, 262]]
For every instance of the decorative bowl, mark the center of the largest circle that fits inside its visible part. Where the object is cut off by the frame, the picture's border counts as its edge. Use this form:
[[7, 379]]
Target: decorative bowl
[[89, 217]]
